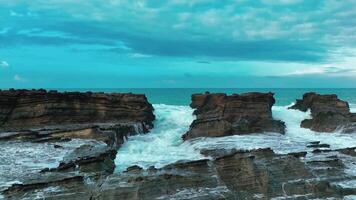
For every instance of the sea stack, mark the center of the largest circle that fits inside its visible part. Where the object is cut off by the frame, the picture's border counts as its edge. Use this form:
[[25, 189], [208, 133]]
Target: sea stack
[[328, 112], [223, 115]]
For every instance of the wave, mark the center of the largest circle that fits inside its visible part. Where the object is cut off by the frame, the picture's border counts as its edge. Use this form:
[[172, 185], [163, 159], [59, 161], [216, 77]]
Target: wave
[[163, 145]]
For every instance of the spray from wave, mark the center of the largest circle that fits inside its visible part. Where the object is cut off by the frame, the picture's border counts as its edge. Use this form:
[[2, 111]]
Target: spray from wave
[[163, 145]]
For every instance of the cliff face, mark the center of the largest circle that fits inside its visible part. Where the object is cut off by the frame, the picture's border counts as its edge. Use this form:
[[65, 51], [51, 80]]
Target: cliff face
[[27, 109], [223, 115], [328, 112]]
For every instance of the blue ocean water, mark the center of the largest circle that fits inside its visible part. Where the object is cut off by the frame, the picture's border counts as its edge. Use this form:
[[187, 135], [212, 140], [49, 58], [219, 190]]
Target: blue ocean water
[[182, 96]]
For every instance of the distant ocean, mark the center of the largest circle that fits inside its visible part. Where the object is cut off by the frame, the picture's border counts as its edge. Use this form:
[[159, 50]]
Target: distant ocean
[[181, 96]]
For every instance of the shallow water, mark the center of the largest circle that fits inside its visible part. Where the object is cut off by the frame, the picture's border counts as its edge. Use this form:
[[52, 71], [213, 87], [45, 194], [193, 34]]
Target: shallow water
[[19, 160]]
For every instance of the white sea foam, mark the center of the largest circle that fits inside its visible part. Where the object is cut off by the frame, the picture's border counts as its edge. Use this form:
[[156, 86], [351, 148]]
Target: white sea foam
[[19, 160], [164, 144]]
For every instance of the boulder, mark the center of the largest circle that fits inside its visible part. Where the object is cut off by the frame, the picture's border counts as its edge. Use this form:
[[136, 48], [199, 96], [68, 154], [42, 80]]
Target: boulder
[[328, 112], [223, 115]]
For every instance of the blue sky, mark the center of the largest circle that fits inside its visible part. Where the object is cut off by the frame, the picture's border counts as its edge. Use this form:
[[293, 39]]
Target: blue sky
[[177, 43]]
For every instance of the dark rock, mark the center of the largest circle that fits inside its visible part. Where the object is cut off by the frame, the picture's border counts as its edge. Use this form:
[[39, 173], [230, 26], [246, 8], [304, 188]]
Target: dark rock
[[223, 115], [321, 150], [240, 175], [56, 146], [318, 146], [348, 151], [30, 187], [29, 109], [298, 154], [328, 113], [97, 160]]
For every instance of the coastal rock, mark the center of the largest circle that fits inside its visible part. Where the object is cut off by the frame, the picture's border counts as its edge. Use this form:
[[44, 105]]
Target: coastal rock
[[30, 109], [231, 174], [328, 113], [44, 186], [223, 115], [256, 174], [41, 116], [94, 160]]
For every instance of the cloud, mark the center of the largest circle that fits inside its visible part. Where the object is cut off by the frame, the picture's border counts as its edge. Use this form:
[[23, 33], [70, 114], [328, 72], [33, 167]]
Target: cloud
[[4, 64], [326, 71], [139, 55], [19, 78], [265, 29]]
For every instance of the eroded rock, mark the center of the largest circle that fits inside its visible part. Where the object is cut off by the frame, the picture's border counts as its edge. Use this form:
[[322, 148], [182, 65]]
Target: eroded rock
[[30, 109], [223, 115], [257, 174], [329, 113]]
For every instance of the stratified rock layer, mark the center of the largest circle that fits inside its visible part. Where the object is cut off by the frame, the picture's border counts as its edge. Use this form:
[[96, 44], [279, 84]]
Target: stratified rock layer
[[223, 115], [328, 112], [28, 109]]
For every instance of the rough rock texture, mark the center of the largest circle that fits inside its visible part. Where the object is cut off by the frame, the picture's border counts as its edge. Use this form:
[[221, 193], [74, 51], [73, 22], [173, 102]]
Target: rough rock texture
[[259, 174], [328, 113], [96, 160], [41, 116], [223, 115], [232, 174], [29, 109]]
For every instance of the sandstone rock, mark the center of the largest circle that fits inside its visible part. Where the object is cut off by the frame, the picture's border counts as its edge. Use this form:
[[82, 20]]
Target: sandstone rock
[[29, 109], [328, 113], [93, 160], [46, 187], [257, 174], [223, 115], [236, 174]]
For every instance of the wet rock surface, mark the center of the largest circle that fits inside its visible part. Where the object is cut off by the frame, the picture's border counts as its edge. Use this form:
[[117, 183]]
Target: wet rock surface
[[257, 174], [222, 115], [328, 112], [231, 174]]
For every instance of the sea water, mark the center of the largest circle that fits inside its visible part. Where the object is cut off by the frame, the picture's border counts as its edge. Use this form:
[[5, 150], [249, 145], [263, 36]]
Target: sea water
[[163, 145]]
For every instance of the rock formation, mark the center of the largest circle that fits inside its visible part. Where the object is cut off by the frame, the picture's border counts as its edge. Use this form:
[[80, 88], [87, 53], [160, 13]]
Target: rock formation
[[328, 113], [223, 115], [29, 109], [256, 174], [41, 116]]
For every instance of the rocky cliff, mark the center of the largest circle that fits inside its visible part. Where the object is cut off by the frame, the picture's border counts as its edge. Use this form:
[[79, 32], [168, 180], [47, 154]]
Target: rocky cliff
[[328, 112], [29, 109], [223, 115]]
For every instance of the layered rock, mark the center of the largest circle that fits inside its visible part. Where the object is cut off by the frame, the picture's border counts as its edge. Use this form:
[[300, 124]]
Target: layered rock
[[41, 116], [94, 160], [223, 115], [328, 112], [258, 174], [231, 174]]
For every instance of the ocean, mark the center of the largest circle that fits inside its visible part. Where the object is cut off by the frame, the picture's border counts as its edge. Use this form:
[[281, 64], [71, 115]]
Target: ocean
[[163, 145], [181, 96]]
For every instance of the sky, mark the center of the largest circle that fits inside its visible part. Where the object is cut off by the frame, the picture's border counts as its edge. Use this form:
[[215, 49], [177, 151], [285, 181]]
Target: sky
[[177, 43]]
